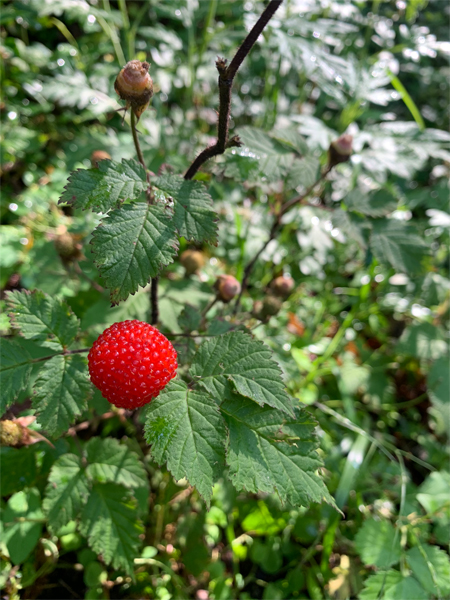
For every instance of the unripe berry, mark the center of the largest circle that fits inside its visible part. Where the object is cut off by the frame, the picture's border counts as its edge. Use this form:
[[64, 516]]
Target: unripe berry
[[98, 155], [340, 150], [271, 306], [68, 248], [282, 286], [228, 287], [10, 433], [135, 86], [192, 261]]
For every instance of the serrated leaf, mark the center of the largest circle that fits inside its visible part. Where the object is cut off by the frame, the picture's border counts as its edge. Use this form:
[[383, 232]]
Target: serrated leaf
[[375, 204], [187, 431], [353, 226], [66, 491], [431, 566], [391, 585], [270, 452], [48, 321], [290, 137], [238, 358], [15, 371], [131, 245], [102, 188], [61, 391], [194, 216], [378, 544], [109, 521], [397, 244], [274, 158], [304, 172], [110, 461]]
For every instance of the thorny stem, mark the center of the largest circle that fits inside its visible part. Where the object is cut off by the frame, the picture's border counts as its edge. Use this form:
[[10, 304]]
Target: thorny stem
[[226, 77], [277, 225], [154, 284]]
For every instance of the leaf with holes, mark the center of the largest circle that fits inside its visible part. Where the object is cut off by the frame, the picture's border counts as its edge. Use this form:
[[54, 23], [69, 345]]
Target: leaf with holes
[[272, 452], [131, 245]]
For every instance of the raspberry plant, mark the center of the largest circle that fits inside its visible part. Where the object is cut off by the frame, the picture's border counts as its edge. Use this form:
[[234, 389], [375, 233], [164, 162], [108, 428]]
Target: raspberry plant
[[207, 263]]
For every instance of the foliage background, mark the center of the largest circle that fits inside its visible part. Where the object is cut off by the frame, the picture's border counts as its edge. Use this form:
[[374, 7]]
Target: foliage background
[[362, 341]]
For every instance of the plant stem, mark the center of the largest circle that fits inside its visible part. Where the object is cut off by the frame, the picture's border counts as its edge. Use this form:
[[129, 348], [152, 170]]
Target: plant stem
[[154, 301], [64, 353], [274, 232], [226, 77], [136, 140]]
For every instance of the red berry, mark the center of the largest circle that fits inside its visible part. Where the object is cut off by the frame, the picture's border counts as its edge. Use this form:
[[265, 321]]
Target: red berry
[[131, 362]]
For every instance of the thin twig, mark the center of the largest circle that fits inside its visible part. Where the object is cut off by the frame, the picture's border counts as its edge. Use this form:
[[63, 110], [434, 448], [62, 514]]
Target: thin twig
[[277, 225], [226, 77], [154, 301], [82, 274]]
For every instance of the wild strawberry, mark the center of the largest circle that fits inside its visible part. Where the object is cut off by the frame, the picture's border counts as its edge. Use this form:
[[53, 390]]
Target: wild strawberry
[[131, 362]]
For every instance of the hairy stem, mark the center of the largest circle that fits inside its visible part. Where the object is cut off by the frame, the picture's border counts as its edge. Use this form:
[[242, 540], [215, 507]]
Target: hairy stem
[[226, 77]]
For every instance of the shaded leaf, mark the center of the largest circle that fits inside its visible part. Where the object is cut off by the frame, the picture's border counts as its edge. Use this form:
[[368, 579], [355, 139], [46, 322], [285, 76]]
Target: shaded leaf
[[66, 491], [109, 521], [375, 204], [21, 526], [110, 461], [397, 244], [61, 389], [48, 321], [431, 566], [15, 371]]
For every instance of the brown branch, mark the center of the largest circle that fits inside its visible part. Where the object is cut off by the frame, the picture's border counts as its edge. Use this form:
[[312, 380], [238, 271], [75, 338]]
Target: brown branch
[[226, 77]]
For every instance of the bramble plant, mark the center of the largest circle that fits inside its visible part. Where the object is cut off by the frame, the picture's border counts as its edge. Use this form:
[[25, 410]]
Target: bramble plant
[[182, 314]]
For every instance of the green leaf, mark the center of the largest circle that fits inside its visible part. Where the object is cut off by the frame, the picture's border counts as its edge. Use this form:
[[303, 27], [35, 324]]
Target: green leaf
[[290, 137], [304, 172], [274, 158], [397, 244], [131, 245], [62, 389], [110, 461], [48, 321], [66, 491], [270, 452], [189, 319], [353, 226], [438, 384], [431, 566], [21, 537], [375, 204], [15, 371], [102, 188], [194, 216], [110, 523], [378, 543], [18, 469], [186, 430], [237, 358], [391, 585], [434, 493], [424, 341]]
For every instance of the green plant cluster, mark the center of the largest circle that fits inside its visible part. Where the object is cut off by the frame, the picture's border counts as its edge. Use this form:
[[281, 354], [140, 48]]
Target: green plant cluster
[[302, 450]]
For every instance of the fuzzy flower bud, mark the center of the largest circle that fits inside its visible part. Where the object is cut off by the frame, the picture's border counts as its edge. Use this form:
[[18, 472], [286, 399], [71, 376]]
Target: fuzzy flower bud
[[340, 150], [135, 86]]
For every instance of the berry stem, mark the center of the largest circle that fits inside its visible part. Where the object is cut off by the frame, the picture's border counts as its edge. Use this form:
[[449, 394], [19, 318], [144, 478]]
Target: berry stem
[[226, 77], [63, 353]]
